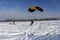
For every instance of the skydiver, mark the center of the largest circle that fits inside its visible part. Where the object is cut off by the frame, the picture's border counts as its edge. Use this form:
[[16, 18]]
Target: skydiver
[[31, 22]]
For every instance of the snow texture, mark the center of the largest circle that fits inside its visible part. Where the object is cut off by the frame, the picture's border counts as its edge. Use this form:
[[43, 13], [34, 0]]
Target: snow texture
[[40, 30]]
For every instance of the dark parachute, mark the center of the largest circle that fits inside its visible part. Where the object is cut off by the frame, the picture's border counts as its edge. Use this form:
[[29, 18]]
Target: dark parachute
[[33, 8], [39, 9]]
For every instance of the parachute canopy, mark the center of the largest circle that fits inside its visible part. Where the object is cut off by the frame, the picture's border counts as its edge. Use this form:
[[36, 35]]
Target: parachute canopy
[[33, 8]]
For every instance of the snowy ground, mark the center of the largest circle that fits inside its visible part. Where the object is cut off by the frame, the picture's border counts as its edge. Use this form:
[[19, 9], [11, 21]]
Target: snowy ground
[[40, 30]]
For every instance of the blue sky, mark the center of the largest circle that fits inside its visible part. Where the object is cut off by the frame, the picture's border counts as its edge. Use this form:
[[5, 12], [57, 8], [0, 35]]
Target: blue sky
[[18, 9]]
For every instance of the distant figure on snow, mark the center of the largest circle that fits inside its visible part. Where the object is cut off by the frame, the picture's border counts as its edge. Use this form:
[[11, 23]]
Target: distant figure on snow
[[31, 22]]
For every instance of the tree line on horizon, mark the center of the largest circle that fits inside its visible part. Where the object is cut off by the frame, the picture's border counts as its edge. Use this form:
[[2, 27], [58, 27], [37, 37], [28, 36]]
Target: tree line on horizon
[[41, 19]]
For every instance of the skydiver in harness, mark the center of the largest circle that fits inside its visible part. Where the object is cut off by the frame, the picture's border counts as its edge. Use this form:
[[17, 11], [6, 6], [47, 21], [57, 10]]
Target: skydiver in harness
[[31, 22], [32, 9]]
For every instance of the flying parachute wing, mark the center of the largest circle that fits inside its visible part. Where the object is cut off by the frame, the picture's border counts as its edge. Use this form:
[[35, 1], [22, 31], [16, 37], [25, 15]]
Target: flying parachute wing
[[33, 8], [30, 10], [39, 9]]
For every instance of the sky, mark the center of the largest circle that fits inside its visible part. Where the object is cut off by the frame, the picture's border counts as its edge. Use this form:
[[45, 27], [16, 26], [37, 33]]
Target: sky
[[18, 9]]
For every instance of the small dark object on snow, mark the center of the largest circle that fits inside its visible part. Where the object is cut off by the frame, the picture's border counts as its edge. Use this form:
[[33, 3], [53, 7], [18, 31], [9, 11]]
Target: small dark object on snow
[[31, 22]]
